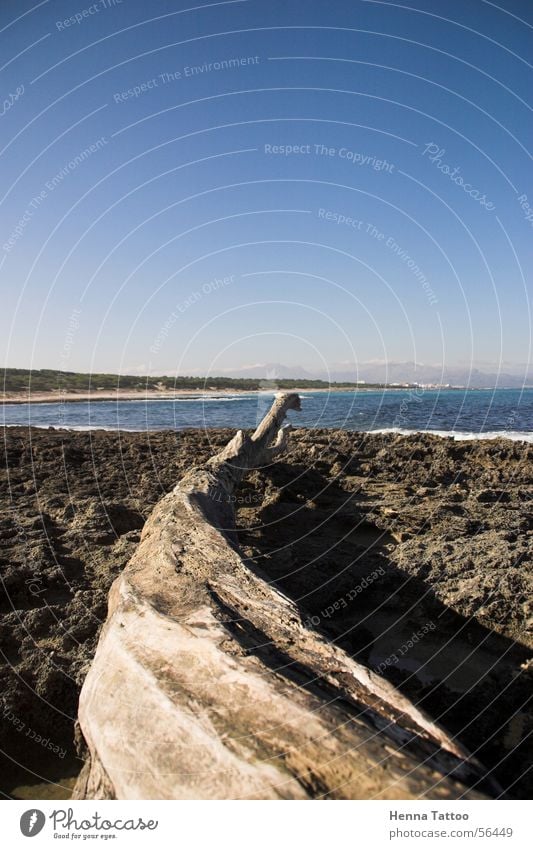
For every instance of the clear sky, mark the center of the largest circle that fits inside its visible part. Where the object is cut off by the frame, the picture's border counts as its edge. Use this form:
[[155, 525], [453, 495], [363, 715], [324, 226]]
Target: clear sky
[[197, 187]]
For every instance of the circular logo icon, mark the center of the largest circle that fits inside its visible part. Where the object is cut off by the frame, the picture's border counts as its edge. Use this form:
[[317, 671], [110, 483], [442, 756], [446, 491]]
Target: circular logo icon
[[32, 822]]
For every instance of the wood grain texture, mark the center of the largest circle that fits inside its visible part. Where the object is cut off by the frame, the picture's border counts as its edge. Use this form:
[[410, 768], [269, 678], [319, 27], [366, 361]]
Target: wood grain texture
[[206, 683]]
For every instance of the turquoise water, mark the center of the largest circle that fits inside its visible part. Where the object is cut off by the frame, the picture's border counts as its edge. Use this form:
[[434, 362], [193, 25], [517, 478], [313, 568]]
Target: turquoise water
[[453, 411]]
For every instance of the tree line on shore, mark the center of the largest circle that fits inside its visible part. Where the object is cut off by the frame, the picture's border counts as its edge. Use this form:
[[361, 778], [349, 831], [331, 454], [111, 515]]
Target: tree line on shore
[[54, 380]]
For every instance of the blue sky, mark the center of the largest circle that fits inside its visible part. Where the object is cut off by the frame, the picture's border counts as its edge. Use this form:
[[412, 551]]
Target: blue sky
[[311, 183]]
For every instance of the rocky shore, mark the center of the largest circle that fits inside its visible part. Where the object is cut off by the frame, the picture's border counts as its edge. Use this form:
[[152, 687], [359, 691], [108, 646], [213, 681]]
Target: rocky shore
[[413, 554]]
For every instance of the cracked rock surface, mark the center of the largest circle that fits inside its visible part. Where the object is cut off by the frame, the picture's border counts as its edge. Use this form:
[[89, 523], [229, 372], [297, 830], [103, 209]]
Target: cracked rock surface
[[375, 538]]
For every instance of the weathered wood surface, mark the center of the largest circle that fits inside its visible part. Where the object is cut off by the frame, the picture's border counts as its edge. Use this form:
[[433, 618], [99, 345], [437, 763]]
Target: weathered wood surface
[[206, 684]]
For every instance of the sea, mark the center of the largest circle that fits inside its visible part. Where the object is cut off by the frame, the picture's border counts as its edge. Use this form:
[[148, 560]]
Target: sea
[[460, 413]]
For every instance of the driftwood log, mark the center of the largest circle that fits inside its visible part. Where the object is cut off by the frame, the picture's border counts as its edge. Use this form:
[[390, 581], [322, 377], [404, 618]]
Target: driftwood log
[[206, 684]]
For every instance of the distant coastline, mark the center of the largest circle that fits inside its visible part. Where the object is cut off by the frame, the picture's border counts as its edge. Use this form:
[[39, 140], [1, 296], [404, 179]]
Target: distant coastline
[[97, 396], [49, 386], [59, 397]]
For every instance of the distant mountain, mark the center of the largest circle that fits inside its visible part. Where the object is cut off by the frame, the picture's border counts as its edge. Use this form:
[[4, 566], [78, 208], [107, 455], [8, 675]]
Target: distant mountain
[[374, 371], [266, 371], [411, 372]]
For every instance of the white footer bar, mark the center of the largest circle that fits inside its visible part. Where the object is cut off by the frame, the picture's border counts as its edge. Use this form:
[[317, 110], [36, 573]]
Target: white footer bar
[[264, 825]]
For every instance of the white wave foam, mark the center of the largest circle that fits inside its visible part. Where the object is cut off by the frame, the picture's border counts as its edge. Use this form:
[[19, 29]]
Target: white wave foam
[[189, 399], [461, 435], [512, 435]]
